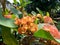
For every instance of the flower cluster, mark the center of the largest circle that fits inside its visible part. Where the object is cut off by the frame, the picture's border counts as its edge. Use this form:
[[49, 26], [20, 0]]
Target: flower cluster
[[26, 23]]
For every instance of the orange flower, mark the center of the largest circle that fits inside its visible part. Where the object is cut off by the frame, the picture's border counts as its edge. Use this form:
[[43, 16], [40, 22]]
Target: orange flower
[[25, 27], [34, 28], [17, 21], [33, 17], [8, 16], [21, 30], [30, 19], [32, 24], [47, 19]]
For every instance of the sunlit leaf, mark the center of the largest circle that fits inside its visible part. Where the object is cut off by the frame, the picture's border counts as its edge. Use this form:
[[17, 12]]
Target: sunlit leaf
[[43, 34]]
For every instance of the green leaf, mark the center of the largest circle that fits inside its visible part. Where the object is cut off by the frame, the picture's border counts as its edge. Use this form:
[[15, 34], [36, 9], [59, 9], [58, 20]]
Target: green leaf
[[6, 22], [34, 13], [6, 11], [40, 26], [21, 1], [39, 11], [0, 11], [58, 25], [25, 2], [16, 12], [13, 16], [43, 34], [36, 21], [8, 38], [58, 40], [15, 1], [46, 35]]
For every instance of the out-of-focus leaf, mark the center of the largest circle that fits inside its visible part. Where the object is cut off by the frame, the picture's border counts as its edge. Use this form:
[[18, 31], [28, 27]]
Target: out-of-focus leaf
[[8, 38], [39, 11], [6, 22], [58, 40], [43, 34], [13, 16], [0, 11], [36, 21], [21, 1], [40, 26], [58, 25], [34, 13], [54, 21], [16, 12], [47, 14], [24, 2], [15, 1], [6, 11]]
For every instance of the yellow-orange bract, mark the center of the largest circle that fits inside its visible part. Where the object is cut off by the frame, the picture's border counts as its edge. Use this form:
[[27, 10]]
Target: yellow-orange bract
[[53, 30], [39, 15], [26, 23]]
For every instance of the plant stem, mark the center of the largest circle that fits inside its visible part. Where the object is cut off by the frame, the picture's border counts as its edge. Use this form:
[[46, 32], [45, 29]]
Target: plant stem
[[3, 2]]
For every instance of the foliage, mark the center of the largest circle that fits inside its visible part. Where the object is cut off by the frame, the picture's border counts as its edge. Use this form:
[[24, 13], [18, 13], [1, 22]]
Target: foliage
[[15, 1], [51, 6], [24, 2], [25, 29], [8, 38], [6, 25], [58, 25], [43, 34]]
